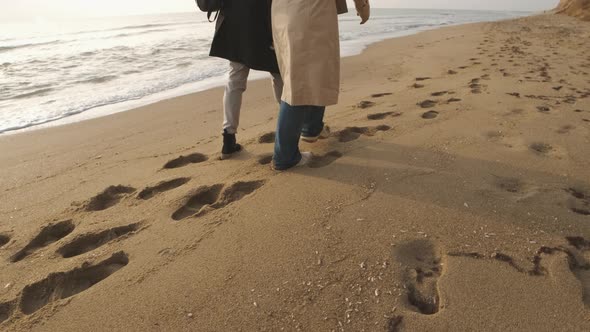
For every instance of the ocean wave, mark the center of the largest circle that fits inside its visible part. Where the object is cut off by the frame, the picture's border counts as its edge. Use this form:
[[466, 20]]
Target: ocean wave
[[16, 47], [131, 34], [36, 93], [98, 80]]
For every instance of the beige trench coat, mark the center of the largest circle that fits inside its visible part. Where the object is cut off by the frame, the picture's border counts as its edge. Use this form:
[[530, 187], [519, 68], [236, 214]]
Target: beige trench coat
[[308, 50]]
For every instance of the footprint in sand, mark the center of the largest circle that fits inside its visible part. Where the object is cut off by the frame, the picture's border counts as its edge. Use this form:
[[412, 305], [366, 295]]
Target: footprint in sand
[[350, 134], [58, 286], [379, 95], [451, 72], [48, 235], [579, 201], [427, 103], [197, 202], [394, 323], [420, 79], [6, 310], [580, 264], [453, 100], [108, 198], [365, 104], [430, 115], [475, 86], [421, 261], [267, 138], [541, 148], [516, 187], [418, 86], [195, 158], [544, 109], [511, 185], [565, 129], [214, 197], [381, 116], [162, 187], [439, 93], [325, 160], [89, 242], [4, 239], [265, 159]]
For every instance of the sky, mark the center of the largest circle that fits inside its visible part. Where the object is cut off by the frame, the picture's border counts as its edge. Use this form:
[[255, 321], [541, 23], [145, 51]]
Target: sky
[[48, 9]]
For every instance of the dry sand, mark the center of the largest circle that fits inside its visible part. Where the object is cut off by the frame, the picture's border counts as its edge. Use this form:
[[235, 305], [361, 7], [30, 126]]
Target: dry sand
[[454, 195]]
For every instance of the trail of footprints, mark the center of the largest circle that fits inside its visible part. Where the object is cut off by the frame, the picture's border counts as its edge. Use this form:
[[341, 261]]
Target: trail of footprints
[[61, 285], [422, 261]]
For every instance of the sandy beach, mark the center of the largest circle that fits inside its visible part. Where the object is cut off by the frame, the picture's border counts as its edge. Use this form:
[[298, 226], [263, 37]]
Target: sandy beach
[[453, 195]]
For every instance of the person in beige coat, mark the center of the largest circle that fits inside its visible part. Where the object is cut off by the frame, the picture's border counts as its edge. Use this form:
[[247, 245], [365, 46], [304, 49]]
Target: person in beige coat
[[306, 40]]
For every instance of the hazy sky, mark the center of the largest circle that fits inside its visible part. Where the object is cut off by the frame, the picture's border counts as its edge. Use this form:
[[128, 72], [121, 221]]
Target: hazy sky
[[43, 9]]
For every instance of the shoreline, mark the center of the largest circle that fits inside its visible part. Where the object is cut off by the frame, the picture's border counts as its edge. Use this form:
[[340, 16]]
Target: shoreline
[[348, 49]]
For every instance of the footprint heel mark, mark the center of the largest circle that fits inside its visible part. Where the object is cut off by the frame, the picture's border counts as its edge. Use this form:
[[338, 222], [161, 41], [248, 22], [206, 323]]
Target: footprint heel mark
[[48, 235], [195, 158], [579, 201], [422, 262], [4, 239], [162, 187], [267, 138], [108, 198], [325, 160], [63, 285], [6, 310], [236, 192], [89, 242], [198, 201]]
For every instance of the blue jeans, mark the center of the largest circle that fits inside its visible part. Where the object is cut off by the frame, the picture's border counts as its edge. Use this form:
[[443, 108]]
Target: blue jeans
[[295, 121]]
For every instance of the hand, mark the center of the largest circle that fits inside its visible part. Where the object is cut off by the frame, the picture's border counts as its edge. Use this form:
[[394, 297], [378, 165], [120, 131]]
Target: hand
[[363, 9]]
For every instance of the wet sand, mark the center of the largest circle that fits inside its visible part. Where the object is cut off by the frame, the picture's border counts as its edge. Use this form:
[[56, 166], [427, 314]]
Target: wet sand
[[453, 195]]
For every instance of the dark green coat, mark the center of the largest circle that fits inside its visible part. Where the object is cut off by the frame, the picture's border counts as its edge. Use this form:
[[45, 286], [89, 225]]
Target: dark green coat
[[243, 34]]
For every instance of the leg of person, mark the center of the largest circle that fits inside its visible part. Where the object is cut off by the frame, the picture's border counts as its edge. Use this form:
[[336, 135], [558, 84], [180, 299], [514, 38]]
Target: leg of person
[[232, 105], [313, 125], [290, 123], [277, 85]]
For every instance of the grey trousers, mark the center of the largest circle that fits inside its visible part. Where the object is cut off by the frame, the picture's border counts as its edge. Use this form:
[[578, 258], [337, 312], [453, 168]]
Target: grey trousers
[[235, 88]]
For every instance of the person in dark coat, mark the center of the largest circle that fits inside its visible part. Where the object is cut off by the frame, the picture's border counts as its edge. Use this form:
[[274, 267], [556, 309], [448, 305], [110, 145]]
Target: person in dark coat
[[244, 37]]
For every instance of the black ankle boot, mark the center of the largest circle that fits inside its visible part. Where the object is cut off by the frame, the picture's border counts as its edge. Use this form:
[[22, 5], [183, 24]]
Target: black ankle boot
[[229, 145]]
